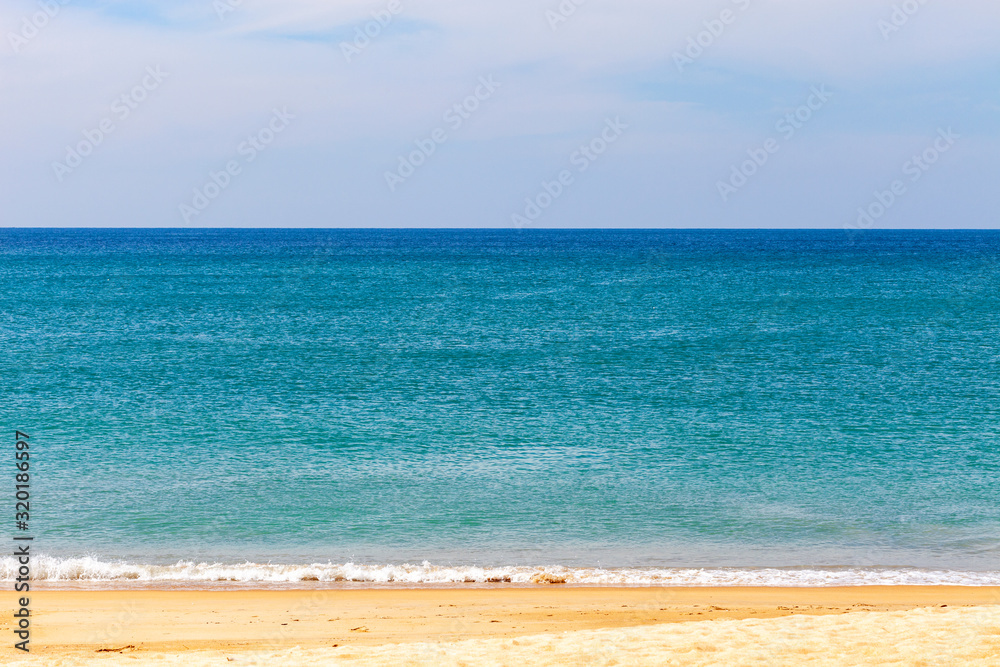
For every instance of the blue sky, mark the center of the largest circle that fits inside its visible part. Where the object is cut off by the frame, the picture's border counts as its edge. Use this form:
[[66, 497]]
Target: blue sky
[[687, 119]]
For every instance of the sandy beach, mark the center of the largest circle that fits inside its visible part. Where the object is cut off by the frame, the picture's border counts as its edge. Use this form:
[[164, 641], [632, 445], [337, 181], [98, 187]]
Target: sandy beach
[[543, 625]]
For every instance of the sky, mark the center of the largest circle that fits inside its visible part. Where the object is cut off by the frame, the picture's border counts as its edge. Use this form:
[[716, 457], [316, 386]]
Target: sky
[[846, 114]]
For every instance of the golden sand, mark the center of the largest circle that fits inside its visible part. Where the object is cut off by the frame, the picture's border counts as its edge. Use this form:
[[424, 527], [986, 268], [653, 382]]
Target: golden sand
[[518, 627]]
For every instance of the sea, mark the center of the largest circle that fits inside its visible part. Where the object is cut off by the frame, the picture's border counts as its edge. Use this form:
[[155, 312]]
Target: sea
[[501, 407]]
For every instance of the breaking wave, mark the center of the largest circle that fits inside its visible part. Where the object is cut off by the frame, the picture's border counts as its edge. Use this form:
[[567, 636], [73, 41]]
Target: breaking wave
[[88, 569]]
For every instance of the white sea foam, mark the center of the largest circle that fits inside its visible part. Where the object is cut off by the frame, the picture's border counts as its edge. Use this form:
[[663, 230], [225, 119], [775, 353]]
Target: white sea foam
[[87, 569]]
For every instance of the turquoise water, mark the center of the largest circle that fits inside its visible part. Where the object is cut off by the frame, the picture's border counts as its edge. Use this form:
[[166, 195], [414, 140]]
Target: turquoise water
[[621, 399]]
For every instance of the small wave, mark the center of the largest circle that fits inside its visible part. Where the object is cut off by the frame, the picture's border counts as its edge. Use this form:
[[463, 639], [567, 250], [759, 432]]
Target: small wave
[[88, 569]]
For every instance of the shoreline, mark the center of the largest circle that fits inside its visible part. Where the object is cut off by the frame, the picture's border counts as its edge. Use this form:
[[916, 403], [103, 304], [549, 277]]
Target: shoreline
[[306, 587], [95, 573]]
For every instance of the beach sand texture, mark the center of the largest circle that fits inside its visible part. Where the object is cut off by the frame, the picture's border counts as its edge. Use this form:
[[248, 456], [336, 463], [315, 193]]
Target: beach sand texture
[[517, 627]]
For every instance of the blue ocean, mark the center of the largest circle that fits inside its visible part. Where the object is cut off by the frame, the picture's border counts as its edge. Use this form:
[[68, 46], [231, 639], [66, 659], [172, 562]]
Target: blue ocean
[[450, 406]]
